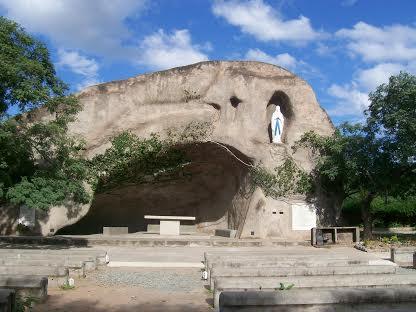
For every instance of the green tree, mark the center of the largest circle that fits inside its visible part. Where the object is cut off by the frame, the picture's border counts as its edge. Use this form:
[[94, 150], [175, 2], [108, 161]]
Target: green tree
[[40, 164], [392, 116], [373, 159], [349, 163]]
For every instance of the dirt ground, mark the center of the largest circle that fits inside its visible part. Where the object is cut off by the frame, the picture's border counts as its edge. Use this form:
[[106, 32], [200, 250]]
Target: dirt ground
[[89, 295]]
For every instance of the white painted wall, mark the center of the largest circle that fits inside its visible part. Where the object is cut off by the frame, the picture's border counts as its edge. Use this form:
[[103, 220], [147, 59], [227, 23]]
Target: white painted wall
[[303, 217]]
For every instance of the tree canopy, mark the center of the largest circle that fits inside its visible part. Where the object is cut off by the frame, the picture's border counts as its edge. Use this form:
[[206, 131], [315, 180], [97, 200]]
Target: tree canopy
[[374, 158], [27, 77], [40, 164]]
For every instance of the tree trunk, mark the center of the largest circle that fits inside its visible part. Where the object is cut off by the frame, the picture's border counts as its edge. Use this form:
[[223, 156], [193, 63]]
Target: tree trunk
[[366, 215]]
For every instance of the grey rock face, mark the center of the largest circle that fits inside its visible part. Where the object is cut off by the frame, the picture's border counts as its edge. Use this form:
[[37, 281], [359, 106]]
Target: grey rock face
[[237, 99]]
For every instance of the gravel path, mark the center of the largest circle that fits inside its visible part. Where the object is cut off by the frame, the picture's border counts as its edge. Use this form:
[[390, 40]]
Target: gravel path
[[162, 280]]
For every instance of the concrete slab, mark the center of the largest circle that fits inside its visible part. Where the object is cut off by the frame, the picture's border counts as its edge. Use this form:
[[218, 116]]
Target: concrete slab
[[142, 264], [144, 239], [268, 283], [314, 271], [34, 270], [351, 299]]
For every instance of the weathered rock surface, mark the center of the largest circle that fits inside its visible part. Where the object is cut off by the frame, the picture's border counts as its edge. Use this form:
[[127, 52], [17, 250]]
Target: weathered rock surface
[[237, 99]]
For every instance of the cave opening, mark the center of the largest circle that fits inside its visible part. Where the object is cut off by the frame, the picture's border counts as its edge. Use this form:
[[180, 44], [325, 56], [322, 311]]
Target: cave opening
[[208, 188]]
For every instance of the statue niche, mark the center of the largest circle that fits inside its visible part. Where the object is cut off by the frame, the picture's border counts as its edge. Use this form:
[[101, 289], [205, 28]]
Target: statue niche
[[278, 117]]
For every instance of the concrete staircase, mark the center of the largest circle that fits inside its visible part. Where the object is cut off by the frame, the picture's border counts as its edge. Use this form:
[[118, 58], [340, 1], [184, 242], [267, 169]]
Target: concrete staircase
[[30, 271], [247, 281]]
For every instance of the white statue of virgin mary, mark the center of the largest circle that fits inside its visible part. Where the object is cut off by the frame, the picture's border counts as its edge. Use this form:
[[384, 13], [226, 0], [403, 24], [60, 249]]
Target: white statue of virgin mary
[[277, 124]]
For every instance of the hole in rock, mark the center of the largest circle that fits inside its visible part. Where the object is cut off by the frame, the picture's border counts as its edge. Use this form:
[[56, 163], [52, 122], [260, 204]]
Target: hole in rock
[[235, 101], [208, 188]]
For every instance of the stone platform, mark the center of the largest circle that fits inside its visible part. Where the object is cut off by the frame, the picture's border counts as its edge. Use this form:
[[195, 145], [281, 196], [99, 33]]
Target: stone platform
[[147, 240]]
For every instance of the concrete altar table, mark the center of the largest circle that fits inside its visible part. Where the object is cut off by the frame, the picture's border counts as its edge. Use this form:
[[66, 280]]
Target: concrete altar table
[[169, 225]]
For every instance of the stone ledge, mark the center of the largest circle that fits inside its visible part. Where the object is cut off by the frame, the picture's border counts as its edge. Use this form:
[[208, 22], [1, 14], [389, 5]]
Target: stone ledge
[[286, 299]]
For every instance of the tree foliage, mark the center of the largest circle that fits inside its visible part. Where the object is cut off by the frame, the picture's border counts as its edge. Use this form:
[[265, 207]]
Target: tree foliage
[[40, 164], [392, 115], [375, 158], [27, 76], [131, 159], [285, 180]]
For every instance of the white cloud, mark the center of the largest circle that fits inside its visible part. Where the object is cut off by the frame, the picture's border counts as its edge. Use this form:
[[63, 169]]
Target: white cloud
[[390, 49], [263, 22], [381, 44], [285, 60], [350, 101], [81, 65], [370, 79], [94, 26], [161, 50]]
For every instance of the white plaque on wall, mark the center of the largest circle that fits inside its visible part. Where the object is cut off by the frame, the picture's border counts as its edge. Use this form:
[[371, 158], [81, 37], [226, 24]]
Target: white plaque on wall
[[27, 216], [303, 217]]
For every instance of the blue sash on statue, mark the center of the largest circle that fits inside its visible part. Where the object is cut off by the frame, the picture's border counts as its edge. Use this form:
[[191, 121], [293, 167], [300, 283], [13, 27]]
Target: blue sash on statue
[[277, 127]]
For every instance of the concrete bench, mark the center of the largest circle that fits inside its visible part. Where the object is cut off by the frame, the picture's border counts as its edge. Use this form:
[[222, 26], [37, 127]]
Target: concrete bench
[[300, 300], [334, 231], [57, 276], [299, 271], [169, 225], [404, 256], [7, 300], [272, 283], [26, 285], [78, 268]]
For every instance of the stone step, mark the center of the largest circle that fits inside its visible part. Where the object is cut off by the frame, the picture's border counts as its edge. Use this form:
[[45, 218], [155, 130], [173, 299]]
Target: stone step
[[76, 268], [316, 282], [57, 276], [328, 300], [297, 271], [295, 263], [26, 285], [88, 240], [47, 256], [72, 261], [90, 265], [99, 256], [7, 300], [209, 261], [33, 270]]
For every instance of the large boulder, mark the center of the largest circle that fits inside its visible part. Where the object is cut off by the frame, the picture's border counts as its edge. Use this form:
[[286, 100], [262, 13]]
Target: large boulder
[[237, 99]]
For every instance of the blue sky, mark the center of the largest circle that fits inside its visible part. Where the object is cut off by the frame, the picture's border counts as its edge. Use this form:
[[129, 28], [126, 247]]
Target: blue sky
[[344, 48]]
